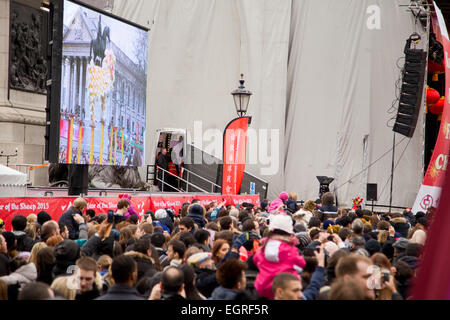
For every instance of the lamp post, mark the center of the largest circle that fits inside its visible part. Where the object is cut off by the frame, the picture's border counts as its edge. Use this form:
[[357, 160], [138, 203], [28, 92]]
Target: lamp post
[[241, 98]]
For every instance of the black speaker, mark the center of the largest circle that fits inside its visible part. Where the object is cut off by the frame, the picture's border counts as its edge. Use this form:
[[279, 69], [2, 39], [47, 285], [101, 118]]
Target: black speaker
[[413, 82], [78, 179], [372, 193]]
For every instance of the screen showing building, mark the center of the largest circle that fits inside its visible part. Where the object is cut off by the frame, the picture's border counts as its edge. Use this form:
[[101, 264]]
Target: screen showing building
[[103, 89]]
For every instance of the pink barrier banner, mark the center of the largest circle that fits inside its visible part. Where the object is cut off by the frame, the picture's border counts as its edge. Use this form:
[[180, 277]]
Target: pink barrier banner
[[56, 206]]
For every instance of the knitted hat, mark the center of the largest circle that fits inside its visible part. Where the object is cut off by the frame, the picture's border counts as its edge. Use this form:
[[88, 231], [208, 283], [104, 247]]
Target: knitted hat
[[284, 195], [281, 222], [196, 209], [198, 258], [160, 214], [43, 217], [401, 244], [303, 239]]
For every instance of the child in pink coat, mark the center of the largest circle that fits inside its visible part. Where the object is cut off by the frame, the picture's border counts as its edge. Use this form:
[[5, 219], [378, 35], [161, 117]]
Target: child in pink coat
[[278, 254]]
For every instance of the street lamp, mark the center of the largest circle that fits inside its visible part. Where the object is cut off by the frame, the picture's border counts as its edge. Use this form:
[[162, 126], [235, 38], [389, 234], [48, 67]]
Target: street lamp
[[241, 98]]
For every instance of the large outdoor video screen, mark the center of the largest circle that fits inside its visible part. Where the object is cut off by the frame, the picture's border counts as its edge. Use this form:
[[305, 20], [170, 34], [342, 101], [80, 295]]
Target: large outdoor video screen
[[103, 89]]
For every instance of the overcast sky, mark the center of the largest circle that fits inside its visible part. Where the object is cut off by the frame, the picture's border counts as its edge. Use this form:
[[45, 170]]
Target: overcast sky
[[122, 34]]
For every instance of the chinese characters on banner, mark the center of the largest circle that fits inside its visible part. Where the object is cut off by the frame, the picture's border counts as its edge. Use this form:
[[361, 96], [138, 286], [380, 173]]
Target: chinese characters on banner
[[430, 190], [234, 152]]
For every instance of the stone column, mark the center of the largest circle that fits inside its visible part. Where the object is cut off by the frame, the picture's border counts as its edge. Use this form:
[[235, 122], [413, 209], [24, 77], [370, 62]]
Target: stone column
[[84, 82], [73, 82], [66, 82], [77, 82], [80, 83]]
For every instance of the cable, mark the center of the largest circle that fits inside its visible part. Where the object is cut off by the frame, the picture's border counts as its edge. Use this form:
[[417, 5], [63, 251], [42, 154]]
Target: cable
[[370, 165]]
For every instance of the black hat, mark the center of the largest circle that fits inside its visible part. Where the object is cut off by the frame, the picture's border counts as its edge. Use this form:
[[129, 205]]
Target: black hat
[[43, 217], [423, 221], [372, 246], [10, 238]]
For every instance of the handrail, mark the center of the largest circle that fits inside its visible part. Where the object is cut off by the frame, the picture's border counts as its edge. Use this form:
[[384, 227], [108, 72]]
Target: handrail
[[195, 174], [170, 173], [189, 172]]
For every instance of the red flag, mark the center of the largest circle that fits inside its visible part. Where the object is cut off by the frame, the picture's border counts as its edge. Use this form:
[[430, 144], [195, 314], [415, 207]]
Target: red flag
[[433, 278], [234, 153], [431, 188]]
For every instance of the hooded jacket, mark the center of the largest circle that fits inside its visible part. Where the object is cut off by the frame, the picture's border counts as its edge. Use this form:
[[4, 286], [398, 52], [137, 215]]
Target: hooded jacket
[[24, 242], [274, 258], [25, 274]]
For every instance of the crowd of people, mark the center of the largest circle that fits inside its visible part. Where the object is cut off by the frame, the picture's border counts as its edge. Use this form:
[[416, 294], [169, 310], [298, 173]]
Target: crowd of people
[[281, 250]]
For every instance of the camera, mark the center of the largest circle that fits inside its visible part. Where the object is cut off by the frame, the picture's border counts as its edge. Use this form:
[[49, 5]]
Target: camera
[[385, 275]]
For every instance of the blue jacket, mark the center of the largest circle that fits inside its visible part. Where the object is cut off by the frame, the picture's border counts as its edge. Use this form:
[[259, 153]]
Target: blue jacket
[[221, 293], [313, 289]]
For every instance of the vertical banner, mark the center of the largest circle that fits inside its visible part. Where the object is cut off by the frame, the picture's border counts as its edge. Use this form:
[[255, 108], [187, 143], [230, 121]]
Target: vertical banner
[[234, 153], [430, 190], [433, 278]]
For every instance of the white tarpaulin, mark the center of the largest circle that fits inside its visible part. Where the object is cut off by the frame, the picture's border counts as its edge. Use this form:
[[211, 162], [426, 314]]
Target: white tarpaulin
[[322, 72], [12, 182]]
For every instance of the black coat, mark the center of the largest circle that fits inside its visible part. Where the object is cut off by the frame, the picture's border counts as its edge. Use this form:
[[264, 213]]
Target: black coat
[[206, 281], [90, 295], [172, 296], [4, 265], [121, 292], [24, 242], [95, 247], [69, 221]]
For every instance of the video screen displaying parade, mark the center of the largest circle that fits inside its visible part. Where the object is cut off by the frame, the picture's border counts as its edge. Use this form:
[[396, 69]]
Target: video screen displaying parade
[[103, 89]]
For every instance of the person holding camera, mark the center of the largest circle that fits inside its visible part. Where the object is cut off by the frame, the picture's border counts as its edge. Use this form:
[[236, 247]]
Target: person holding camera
[[73, 218]]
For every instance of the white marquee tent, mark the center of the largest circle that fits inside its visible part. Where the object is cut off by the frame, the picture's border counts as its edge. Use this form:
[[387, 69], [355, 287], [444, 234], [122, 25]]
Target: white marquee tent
[[12, 183], [323, 73]]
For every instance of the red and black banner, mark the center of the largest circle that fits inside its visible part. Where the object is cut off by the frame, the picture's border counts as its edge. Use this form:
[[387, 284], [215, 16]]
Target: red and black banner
[[234, 155]]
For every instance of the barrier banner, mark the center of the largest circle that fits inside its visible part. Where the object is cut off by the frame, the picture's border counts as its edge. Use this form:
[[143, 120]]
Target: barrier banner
[[56, 206], [430, 190], [234, 152]]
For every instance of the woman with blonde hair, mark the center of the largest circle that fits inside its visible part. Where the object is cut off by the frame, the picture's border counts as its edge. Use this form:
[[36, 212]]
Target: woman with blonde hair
[[35, 250], [303, 215], [61, 285]]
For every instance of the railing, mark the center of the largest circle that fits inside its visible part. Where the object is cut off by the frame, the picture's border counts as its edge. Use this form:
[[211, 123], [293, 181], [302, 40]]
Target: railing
[[166, 173]]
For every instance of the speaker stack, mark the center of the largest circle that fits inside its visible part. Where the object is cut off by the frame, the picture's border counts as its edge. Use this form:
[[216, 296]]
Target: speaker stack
[[413, 81]]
